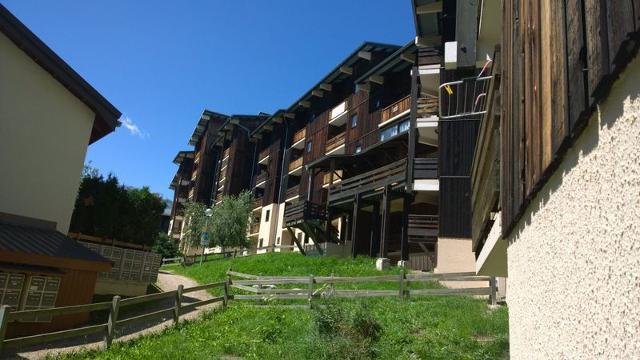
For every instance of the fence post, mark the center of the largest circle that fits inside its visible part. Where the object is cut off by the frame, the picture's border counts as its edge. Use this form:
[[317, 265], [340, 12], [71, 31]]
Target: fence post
[[401, 290], [4, 321], [311, 281], [226, 292], [332, 286], [176, 309], [112, 323], [493, 296]]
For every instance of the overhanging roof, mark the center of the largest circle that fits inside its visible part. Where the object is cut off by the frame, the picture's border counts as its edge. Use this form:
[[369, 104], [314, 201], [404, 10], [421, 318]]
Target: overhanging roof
[[46, 247], [398, 59], [277, 115], [201, 126], [337, 74], [181, 155], [107, 115], [425, 18]]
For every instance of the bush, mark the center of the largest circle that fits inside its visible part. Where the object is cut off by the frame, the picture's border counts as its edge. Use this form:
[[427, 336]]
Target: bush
[[165, 246]]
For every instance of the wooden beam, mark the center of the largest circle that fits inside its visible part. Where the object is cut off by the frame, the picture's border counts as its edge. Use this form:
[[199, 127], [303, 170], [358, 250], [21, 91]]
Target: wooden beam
[[346, 70], [426, 9], [366, 87], [374, 244], [326, 87], [234, 121], [364, 55], [354, 224], [304, 103], [410, 58], [317, 93], [378, 79], [428, 40], [404, 242], [267, 127], [289, 115], [385, 227], [277, 120]]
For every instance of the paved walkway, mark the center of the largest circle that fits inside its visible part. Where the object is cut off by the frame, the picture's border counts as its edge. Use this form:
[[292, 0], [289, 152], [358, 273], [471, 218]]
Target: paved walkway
[[166, 282]]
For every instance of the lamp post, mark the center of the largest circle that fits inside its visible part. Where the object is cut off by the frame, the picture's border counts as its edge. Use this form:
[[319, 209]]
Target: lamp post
[[204, 241]]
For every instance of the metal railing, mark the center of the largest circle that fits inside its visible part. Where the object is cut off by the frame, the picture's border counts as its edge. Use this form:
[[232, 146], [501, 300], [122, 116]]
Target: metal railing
[[463, 98]]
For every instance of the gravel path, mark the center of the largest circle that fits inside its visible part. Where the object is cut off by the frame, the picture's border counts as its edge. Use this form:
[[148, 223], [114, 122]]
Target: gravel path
[[166, 282]]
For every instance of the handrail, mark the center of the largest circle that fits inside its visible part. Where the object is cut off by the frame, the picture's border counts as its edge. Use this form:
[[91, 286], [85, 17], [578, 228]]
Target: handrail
[[396, 108], [264, 153], [465, 97], [335, 142], [294, 164], [299, 135], [369, 180]]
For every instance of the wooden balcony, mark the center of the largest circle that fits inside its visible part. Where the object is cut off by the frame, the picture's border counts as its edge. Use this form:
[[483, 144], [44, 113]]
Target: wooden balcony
[[257, 203], [263, 157], [337, 176], [294, 164], [292, 192], [218, 197], [427, 107], [423, 228], [302, 211], [429, 56], [334, 143], [369, 182], [402, 106], [260, 178], [225, 153], [425, 168], [338, 115], [254, 228], [299, 136]]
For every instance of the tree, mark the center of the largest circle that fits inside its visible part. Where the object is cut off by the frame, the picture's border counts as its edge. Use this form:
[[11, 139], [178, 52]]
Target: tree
[[195, 223], [165, 246], [230, 220]]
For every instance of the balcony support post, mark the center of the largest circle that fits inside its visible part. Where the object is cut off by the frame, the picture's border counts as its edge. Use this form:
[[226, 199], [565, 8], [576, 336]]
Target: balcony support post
[[310, 184], [411, 138], [404, 244], [385, 229], [354, 223], [332, 168], [374, 244]]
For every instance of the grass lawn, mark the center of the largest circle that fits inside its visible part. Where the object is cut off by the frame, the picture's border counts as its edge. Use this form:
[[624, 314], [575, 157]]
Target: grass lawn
[[452, 327]]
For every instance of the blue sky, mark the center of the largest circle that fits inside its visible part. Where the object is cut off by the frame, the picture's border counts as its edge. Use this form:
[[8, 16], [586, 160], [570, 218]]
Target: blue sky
[[162, 62]]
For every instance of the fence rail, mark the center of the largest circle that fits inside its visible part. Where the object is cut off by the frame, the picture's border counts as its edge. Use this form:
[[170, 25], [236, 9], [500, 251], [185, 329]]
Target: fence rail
[[109, 328]]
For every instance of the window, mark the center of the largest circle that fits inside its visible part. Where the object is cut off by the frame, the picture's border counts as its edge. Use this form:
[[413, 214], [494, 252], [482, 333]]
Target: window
[[266, 215], [354, 121], [278, 240], [260, 243], [394, 130], [309, 146], [358, 148]]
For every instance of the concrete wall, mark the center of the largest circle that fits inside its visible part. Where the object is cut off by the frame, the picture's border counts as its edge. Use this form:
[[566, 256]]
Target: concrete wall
[[44, 134], [574, 258]]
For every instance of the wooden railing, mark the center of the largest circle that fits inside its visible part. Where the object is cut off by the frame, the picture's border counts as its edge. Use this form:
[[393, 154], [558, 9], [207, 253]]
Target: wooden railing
[[294, 164], [429, 56], [258, 178], [316, 287], [299, 135], [423, 228], [337, 176], [257, 202], [368, 181], [396, 108], [335, 142], [427, 107], [255, 227], [301, 211], [218, 197], [291, 192], [425, 168], [264, 153], [226, 152], [109, 330]]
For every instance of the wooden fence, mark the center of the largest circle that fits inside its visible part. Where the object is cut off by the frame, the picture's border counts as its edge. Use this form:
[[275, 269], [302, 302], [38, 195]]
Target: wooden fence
[[108, 329], [261, 287]]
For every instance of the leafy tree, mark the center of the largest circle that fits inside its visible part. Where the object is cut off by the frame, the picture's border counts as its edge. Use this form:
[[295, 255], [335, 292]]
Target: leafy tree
[[165, 246], [231, 219], [106, 208], [196, 219]]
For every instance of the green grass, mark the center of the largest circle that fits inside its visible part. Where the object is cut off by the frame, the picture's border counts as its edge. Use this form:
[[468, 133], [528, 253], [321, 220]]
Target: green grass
[[452, 327]]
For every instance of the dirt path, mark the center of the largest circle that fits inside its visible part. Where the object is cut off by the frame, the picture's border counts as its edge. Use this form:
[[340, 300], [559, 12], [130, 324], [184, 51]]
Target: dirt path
[[166, 282]]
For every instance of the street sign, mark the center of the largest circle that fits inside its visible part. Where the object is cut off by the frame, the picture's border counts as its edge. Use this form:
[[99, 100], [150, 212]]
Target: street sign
[[204, 239]]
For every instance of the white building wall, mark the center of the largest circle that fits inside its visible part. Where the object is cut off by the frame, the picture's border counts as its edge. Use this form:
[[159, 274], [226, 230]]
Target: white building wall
[[44, 134], [574, 257]]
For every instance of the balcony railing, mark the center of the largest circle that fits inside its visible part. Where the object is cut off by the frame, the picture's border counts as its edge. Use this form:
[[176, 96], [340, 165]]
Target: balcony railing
[[255, 227], [225, 153], [261, 177], [462, 98], [299, 135], [336, 177], [425, 168], [263, 154], [292, 192], [394, 173], [218, 197], [294, 164], [257, 202], [401, 106], [423, 228], [301, 211], [334, 142], [427, 107], [429, 56]]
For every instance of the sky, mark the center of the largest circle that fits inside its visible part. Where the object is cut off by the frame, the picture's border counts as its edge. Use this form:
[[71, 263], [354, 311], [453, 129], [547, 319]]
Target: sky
[[161, 63]]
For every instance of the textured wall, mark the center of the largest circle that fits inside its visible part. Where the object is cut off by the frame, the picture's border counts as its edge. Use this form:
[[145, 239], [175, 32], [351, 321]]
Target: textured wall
[[574, 258], [44, 133]]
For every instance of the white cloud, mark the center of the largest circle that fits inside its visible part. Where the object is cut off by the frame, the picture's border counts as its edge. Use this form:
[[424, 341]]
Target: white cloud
[[133, 128]]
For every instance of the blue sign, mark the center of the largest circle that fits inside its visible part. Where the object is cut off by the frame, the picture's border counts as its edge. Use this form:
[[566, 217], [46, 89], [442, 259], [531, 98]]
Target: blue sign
[[204, 240]]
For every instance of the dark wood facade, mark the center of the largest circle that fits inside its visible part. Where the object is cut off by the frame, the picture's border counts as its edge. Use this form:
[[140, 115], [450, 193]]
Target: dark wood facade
[[559, 59]]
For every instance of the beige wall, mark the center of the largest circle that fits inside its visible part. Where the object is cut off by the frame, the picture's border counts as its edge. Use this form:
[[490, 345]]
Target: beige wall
[[44, 134], [267, 230], [455, 255], [574, 258]]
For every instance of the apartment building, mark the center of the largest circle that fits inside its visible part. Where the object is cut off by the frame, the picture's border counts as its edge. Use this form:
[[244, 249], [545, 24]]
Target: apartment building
[[181, 186], [554, 190]]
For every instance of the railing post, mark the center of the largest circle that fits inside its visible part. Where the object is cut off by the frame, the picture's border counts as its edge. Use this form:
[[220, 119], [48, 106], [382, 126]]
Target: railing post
[[493, 296], [401, 288], [178, 305], [311, 282], [226, 292], [112, 323], [4, 322]]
